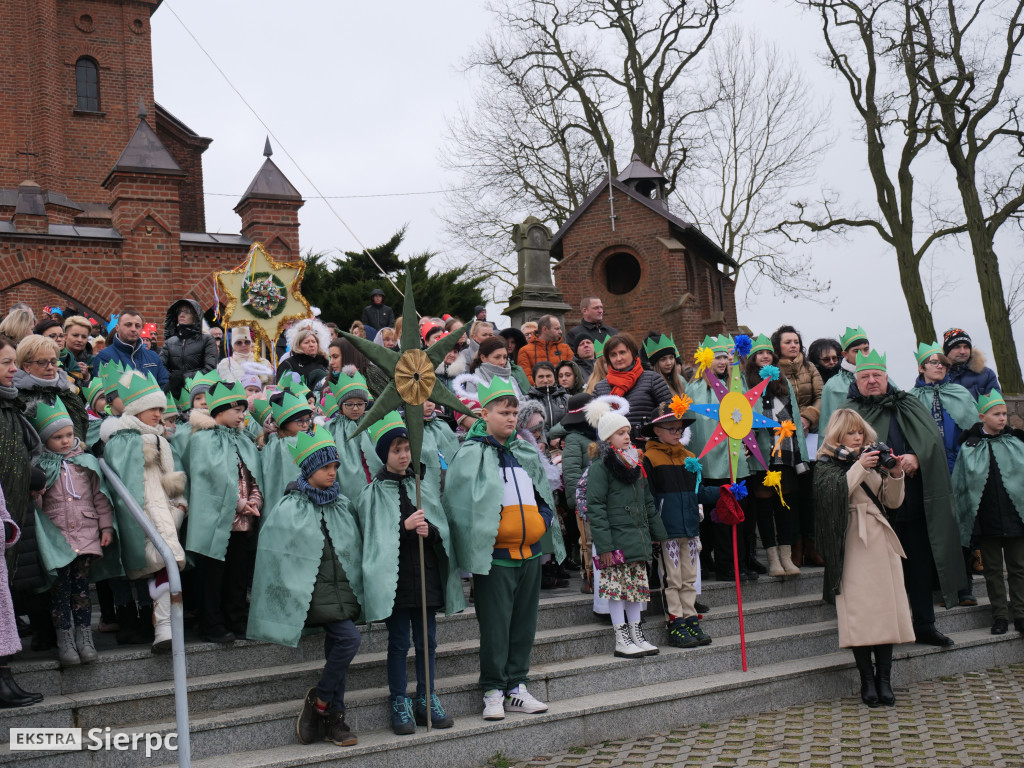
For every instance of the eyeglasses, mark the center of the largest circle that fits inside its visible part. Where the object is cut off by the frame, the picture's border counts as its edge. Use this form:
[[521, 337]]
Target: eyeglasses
[[354, 405], [938, 363], [830, 358], [672, 430], [303, 421], [52, 363], [243, 343]]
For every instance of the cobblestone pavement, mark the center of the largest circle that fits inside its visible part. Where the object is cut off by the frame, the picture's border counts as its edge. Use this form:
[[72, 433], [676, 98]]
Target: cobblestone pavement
[[974, 719]]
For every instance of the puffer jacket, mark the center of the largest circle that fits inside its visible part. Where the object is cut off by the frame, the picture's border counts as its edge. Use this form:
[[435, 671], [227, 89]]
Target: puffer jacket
[[552, 400], [644, 398], [187, 350], [575, 459], [806, 383], [538, 351], [333, 598], [673, 488], [974, 376], [80, 519], [312, 368]]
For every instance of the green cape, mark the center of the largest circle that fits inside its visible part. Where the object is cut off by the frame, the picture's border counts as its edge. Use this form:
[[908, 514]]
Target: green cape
[[179, 441], [279, 469], [923, 436], [92, 433], [123, 453], [833, 395], [291, 544], [472, 499], [955, 399], [715, 465], [212, 469], [438, 441], [377, 510], [54, 549], [352, 453], [970, 474], [251, 427]]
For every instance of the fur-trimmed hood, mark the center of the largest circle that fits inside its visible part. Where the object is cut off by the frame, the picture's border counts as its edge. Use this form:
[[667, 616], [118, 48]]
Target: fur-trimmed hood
[[199, 420], [457, 368], [977, 362], [616, 466], [323, 333]]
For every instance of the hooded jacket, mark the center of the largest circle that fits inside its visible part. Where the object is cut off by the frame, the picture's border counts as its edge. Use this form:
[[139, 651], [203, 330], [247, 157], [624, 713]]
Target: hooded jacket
[[675, 489], [186, 350], [378, 316], [974, 376], [553, 402]]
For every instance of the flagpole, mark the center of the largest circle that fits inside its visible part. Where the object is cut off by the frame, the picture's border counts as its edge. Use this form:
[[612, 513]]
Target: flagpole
[[423, 605]]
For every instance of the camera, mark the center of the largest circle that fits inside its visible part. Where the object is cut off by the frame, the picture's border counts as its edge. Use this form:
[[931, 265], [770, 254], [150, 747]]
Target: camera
[[885, 457]]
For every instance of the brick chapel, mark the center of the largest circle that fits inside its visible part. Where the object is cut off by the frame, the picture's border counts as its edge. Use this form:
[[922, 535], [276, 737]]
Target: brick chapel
[[101, 187]]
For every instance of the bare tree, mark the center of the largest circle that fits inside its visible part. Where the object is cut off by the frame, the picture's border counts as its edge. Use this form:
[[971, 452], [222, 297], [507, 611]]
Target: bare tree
[[871, 50], [1015, 293], [966, 59], [938, 283], [762, 140]]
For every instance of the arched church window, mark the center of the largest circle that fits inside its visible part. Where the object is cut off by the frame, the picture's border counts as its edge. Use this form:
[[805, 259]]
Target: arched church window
[[87, 85]]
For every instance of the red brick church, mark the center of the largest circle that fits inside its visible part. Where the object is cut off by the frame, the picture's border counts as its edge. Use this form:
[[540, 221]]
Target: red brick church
[[101, 187]]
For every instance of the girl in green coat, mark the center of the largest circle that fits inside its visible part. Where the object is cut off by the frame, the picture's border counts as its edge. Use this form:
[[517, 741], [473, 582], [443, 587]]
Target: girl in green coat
[[624, 523]]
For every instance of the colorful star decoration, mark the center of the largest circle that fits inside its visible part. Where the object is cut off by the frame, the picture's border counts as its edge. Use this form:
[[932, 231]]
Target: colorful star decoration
[[263, 294], [735, 415]]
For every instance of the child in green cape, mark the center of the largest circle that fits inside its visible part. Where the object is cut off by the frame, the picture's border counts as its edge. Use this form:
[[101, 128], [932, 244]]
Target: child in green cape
[[225, 498], [988, 488], [391, 525], [292, 415], [359, 462], [309, 573], [439, 447]]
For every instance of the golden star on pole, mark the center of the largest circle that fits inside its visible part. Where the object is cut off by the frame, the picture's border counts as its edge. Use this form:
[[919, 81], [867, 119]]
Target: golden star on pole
[[263, 294]]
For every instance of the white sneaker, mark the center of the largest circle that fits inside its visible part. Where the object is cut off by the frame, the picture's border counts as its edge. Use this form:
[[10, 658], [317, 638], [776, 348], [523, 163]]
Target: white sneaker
[[521, 700], [624, 645], [493, 709], [636, 632]]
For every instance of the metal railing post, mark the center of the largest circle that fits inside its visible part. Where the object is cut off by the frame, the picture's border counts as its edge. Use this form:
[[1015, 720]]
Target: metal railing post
[[177, 613]]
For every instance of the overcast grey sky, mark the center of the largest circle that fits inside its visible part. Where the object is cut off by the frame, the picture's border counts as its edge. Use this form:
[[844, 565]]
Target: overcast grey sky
[[358, 94]]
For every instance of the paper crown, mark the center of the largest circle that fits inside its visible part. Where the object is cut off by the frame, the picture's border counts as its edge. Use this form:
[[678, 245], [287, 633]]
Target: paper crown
[[599, 346], [718, 344], [993, 398], [292, 382], [110, 372], [347, 386], [290, 407], [134, 385], [330, 406], [872, 361], [172, 407], [94, 389], [202, 380], [261, 409], [495, 388], [307, 444], [852, 336], [224, 393], [761, 343], [46, 416], [655, 348], [184, 401], [924, 351], [389, 423]]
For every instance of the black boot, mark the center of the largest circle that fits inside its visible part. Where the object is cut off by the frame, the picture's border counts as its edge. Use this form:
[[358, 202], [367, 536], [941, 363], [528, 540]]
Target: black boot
[[883, 675], [868, 692], [11, 695], [130, 630], [5, 673]]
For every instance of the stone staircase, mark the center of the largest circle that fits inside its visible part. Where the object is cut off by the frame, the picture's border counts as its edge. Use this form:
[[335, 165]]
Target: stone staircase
[[244, 700]]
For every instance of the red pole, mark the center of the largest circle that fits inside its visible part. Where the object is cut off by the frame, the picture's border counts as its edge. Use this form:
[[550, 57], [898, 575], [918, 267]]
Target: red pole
[[739, 598]]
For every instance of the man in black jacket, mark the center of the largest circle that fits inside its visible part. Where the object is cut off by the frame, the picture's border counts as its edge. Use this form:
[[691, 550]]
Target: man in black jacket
[[377, 315], [592, 324]]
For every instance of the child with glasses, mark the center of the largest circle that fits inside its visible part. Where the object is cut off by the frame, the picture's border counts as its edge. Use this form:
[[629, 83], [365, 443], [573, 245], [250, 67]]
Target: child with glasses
[[359, 460]]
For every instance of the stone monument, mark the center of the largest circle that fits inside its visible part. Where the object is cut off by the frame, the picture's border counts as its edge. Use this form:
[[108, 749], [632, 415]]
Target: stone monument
[[535, 293]]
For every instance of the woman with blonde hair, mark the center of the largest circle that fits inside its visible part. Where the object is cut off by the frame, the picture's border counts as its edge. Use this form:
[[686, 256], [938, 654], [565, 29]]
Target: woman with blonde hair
[[600, 374], [358, 329], [856, 484], [18, 323], [41, 379]]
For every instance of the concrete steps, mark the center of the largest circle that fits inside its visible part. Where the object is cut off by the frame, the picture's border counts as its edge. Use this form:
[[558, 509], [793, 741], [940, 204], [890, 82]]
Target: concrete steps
[[244, 700]]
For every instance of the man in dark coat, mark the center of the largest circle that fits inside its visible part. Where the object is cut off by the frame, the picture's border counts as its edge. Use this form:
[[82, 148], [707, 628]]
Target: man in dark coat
[[967, 364], [377, 315], [126, 347], [592, 324], [925, 522], [186, 350]]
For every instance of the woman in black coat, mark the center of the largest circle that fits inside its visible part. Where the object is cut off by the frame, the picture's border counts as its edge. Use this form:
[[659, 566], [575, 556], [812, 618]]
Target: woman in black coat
[[186, 350], [644, 390]]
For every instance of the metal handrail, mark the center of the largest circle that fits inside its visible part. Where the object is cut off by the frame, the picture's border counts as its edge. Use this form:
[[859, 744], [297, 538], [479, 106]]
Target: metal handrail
[[177, 613]]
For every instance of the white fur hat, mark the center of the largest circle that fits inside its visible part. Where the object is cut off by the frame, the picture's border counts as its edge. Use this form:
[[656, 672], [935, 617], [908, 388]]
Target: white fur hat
[[607, 414]]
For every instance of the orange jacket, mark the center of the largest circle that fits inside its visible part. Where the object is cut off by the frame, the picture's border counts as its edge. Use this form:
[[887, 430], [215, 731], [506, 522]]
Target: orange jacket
[[538, 351]]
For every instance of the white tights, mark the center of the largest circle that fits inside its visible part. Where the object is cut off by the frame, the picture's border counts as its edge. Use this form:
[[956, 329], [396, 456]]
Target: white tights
[[623, 611]]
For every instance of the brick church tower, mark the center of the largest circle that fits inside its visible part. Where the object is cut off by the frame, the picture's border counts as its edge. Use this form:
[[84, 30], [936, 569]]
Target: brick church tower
[[101, 188], [652, 270]]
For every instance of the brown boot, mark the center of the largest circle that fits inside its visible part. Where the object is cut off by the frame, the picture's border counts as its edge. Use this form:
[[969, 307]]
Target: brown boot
[[811, 556], [797, 554]]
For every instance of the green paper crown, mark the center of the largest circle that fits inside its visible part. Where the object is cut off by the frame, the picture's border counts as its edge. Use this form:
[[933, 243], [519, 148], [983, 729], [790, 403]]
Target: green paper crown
[[872, 361], [391, 421], [171, 406], [924, 351], [330, 405], [297, 388], [47, 415], [184, 401], [599, 346], [261, 409], [223, 393], [498, 387], [653, 346], [993, 398], [291, 405], [94, 389], [762, 344], [852, 336], [208, 379], [306, 444], [110, 373], [348, 385], [133, 385]]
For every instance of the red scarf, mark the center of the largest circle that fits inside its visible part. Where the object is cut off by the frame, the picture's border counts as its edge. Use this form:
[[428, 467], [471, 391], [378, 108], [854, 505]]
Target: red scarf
[[623, 381]]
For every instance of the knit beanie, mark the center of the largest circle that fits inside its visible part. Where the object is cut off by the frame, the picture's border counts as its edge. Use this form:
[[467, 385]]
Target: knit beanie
[[318, 459], [954, 336], [607, 414], [385, 432]]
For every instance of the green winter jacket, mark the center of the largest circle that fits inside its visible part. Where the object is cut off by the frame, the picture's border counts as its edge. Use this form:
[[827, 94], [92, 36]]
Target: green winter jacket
[[575, 461], [621, 509]]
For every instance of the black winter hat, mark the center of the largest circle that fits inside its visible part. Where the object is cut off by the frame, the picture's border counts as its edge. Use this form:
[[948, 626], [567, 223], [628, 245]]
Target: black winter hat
[[376, 292], [954, 336]]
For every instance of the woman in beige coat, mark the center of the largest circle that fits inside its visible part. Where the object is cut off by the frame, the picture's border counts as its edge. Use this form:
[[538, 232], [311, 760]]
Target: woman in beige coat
[[863, 569]]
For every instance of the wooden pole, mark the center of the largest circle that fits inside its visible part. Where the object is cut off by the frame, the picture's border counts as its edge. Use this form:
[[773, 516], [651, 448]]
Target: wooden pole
[[423, 606]]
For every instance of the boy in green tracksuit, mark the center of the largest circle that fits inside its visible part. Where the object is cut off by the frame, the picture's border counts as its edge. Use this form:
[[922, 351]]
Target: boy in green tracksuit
[[499, 506]]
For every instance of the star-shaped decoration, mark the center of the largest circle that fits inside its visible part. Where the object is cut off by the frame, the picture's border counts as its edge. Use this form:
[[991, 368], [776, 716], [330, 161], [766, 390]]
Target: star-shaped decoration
[[263, 294], [412, 375], [736, 417]]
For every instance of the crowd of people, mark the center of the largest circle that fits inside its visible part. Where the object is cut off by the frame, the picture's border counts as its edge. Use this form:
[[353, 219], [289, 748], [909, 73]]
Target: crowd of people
[[285, 509]]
